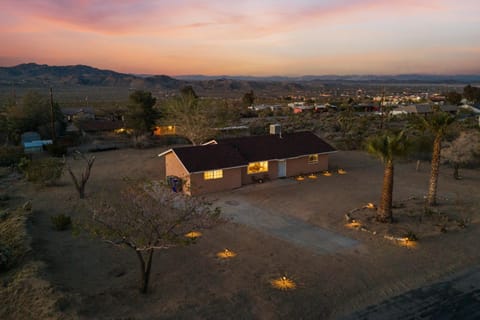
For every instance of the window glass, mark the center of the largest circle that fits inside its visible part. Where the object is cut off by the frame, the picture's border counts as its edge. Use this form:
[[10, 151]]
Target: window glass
[[256, 167], [213, 174], [313, 158]]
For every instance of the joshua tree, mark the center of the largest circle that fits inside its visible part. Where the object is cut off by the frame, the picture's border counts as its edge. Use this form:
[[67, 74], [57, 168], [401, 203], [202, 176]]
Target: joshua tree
[[437, 124], [387, 147]]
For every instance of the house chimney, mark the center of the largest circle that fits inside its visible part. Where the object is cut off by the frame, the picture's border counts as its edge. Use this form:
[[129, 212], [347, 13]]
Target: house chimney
[[276, 129]]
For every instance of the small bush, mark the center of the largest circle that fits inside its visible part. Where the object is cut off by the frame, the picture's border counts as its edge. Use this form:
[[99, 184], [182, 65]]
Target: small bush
[[4, 215], [14, 241], [411, 236], [10, 156], [5, 258], [61, 222], [44, 171]]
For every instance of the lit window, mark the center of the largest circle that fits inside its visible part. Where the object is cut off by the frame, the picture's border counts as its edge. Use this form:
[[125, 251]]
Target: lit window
[[256, 167], [313, 158], [213, 174]]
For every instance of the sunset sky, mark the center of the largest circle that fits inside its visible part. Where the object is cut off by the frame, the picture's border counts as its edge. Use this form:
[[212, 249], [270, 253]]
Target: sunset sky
[[245, 37]]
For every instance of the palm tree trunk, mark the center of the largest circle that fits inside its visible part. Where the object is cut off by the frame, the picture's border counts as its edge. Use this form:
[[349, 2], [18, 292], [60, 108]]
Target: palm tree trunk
[[384, 213], [432, 188]]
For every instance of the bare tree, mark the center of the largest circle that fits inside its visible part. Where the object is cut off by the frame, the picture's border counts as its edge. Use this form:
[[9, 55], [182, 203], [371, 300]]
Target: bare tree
[[81, 183], [148, 217], [192, 118], [463, 150]]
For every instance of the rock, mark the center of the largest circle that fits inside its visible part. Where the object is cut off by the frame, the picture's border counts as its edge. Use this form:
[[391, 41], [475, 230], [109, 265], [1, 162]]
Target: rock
[[27, 206]]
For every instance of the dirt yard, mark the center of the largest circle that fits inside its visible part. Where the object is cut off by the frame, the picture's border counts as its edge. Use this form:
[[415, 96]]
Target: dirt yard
[[100, 282]]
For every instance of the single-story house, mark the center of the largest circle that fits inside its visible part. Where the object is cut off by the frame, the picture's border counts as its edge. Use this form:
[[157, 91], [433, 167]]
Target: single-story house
[[230, 163], [85, 113]]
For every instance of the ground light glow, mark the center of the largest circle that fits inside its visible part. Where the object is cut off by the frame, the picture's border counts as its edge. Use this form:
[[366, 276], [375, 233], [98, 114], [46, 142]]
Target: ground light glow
[[226, 254], [283, 283], [300, 178], [193, 234], [353, 224], [327, 173], [312, 176], [370, 206], [405, 242], [341, 171]]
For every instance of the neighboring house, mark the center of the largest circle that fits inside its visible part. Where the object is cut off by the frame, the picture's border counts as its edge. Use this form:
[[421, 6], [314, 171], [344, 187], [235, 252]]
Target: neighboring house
[[74, 114], [260, 107], [164, 130], [230, 163], [470, 108], [30, 136], [100, 125], [414, 108], [425, 109], [33, 143], [35, 146]]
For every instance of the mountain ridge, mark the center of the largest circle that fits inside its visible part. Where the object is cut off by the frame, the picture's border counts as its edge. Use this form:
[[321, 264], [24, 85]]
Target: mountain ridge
[[85, 75]]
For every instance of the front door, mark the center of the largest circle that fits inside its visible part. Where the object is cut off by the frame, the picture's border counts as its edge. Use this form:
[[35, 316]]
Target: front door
[[282, 168]]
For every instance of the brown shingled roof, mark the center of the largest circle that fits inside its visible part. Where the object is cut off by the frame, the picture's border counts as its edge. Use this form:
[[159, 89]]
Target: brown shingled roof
[[268, 147], [209, 157], [235, 152]]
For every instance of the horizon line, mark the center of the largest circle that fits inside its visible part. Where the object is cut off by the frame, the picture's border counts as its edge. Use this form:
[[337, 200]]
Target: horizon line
[[251, 76]]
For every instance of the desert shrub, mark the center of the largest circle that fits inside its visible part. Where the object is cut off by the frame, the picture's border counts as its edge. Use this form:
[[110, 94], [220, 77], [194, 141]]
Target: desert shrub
[[4, 215], [13, 238], [411, 236], [10, 156], [44, 171], [61, 222], [5, 258], [56, 150]]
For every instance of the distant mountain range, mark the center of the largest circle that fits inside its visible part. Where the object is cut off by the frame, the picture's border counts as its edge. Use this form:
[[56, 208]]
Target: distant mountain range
[[418, 78], [36, 75], [32, 74]]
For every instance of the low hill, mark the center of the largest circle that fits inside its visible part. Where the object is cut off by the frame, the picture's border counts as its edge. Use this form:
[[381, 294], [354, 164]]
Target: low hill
[[37, 75]]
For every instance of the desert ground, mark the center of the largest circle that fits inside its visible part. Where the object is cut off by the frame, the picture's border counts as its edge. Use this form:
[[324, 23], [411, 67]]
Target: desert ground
[[280, 228]]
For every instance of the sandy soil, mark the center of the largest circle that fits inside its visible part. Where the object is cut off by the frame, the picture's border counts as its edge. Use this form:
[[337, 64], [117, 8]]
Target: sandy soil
[[100, 281]]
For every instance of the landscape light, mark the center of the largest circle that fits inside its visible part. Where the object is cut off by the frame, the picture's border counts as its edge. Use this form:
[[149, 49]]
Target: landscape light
[[312, 176], [300, 178], [193, 234], [370, 206], [226, 254], [327, 173], [341, 171], [283, 283], [406, 242], [353, 224]]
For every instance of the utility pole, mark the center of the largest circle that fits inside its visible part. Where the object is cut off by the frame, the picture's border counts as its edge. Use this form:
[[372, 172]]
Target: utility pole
[[382, 109], [52, 115]]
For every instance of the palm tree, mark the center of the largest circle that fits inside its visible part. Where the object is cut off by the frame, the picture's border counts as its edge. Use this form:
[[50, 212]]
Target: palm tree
[[387, 147], [438, 124]]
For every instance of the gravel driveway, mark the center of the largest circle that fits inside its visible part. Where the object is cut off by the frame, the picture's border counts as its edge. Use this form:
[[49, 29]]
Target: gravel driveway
[[241, 209]]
